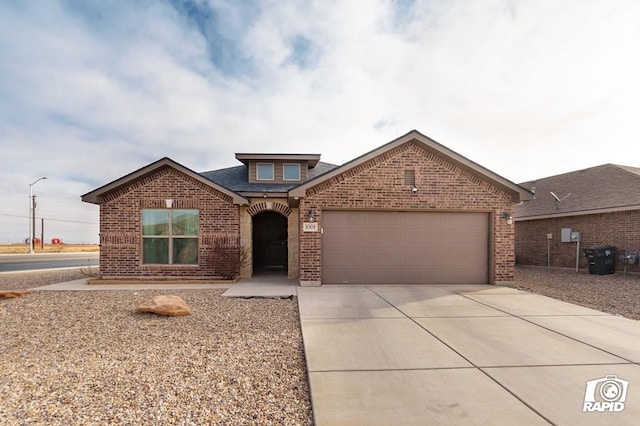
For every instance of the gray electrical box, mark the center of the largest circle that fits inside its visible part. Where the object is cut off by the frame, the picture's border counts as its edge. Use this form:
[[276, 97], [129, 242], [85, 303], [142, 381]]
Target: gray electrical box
[[576, 237], [565, 235]]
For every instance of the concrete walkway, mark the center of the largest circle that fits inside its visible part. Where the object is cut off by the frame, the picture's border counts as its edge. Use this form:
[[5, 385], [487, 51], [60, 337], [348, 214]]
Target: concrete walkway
[[416, 355], [270, 285], [81, 285], [267, 285]]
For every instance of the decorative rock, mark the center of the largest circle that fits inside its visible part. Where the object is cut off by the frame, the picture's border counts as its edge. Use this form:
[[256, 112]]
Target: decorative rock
[[10, 294], [172, 306]]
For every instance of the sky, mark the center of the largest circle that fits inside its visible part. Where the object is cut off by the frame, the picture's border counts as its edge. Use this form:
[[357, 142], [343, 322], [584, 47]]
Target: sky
[[91, 90]]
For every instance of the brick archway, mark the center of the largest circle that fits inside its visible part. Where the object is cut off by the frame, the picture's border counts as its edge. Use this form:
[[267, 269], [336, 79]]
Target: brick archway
[[267, 206], [247, 222]]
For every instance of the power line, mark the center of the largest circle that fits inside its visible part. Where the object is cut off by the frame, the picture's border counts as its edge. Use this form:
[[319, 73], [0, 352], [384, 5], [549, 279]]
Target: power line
[[49, 219], [68, 221]]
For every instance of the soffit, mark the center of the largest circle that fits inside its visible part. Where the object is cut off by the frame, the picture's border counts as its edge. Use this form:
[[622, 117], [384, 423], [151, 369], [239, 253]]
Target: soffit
[[310, 159]]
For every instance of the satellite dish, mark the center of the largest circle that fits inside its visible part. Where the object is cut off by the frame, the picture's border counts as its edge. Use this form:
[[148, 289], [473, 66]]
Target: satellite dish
[[558, 199]]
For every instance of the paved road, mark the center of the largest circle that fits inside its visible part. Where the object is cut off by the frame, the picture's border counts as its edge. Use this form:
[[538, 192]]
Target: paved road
[[28, 262]]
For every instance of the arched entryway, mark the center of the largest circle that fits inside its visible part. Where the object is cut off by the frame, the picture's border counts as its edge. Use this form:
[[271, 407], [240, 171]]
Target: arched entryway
[[270, 246]]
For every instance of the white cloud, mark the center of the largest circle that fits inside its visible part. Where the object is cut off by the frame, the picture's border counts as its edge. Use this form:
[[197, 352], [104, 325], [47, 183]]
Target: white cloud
[[92, 91]]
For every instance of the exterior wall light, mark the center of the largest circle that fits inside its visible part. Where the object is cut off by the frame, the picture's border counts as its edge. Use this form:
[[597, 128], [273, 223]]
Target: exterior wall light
[[168, 203], [507, 216], [311, 215]]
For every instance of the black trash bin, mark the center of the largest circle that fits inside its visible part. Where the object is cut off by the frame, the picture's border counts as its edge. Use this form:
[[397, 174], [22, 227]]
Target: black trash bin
[[601, 259]]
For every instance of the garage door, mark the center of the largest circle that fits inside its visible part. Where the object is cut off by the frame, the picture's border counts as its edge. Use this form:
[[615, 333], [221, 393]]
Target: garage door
[[381, 247]]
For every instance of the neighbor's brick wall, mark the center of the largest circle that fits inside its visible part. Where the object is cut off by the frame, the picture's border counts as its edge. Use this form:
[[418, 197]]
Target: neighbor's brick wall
[[379, 184], [620, 229], [120, 229]]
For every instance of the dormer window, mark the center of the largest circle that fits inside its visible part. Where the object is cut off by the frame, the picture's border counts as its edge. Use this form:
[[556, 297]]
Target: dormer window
[[264, 171], [290, 169], [291, 172]]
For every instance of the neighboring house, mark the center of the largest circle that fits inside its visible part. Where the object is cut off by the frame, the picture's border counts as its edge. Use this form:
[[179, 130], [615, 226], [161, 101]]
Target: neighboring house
[[411, 211], [604, 207]]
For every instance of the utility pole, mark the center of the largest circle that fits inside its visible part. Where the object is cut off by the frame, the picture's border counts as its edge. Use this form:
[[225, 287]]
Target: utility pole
[[33, 218], [32, 214]]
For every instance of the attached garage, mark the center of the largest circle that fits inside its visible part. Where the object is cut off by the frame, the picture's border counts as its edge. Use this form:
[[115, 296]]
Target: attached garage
[[405, 247], [409, 212]]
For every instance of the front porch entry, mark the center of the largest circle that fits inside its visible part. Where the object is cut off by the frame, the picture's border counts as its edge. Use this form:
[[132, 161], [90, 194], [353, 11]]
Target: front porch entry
[[270, 243]]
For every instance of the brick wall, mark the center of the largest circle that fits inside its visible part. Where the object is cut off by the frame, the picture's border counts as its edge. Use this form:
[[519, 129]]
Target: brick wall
[[120, 231], [380, 184], [620, 229]]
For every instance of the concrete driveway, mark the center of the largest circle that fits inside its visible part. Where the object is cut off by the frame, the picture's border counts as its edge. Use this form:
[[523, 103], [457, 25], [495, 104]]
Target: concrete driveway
[[464, 355]]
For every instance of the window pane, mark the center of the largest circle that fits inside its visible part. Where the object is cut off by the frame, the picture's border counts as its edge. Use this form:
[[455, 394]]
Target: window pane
[[155, 250], [155, 222], [291, 172], [185, 251], [185, 222], [265, 171]]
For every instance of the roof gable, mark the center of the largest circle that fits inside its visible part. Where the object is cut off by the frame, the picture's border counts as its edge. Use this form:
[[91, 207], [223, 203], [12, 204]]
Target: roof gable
[[599, 189], [97, 196], [517, 192]]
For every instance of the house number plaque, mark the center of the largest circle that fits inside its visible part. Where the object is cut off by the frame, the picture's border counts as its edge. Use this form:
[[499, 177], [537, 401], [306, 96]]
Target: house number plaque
[[310, 226]]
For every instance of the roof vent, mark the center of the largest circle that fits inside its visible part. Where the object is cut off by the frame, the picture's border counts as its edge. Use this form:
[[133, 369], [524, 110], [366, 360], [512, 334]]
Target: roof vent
[[410, 177]]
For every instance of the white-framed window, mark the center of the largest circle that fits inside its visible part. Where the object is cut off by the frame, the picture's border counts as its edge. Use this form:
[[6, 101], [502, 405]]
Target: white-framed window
[[291, 171], [169, 237], [264, 171]]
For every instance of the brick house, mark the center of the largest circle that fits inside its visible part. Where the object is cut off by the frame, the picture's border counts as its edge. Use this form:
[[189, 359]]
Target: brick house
[[603, 206], [410, 211]]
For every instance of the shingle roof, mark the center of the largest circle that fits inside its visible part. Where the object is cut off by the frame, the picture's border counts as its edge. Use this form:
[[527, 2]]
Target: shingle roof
[[599, 189], [236, 179]]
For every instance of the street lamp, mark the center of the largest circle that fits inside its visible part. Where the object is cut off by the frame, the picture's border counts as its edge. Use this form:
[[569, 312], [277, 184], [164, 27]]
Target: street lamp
[[32, 214]]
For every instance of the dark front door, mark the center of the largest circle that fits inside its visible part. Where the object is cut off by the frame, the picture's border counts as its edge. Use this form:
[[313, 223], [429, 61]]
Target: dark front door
[[270, 249]]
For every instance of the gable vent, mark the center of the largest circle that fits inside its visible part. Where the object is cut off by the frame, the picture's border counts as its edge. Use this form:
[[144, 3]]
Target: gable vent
[[410, 177]]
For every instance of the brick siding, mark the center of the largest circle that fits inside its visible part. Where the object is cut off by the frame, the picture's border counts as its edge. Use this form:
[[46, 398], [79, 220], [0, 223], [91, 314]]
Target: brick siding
[[619, 229], [379, 184], [120, 227]]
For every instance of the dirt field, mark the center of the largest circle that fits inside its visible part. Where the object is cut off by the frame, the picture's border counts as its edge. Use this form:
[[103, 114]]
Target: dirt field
[[48, 248]]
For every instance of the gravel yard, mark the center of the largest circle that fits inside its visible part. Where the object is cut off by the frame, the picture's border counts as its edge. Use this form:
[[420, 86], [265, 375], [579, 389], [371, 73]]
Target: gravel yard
[[82, 358], [617, 294]]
